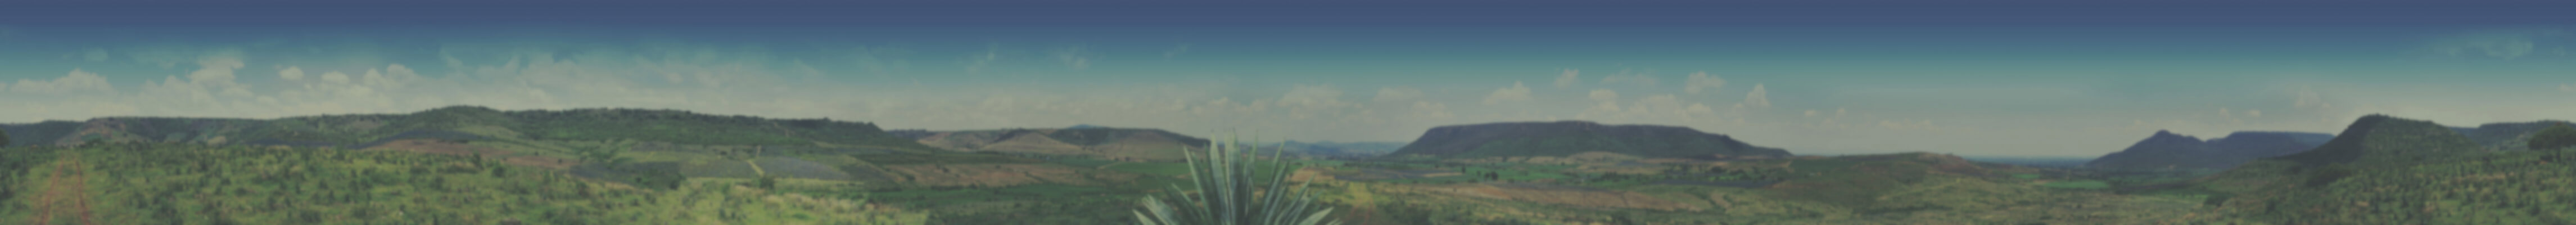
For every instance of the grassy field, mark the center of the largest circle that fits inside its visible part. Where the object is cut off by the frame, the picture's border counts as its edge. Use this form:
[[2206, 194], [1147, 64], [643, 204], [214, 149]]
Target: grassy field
[[2078, 184], [195, 184]]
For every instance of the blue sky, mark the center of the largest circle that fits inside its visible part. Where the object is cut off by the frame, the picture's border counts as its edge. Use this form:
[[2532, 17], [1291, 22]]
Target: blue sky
[[1829, 77]]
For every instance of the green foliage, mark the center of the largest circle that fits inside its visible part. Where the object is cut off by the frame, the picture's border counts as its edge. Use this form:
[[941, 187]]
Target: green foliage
[[692, 128], [198, 184], [2078, 184], [2554, 137], [943, 158], [2509, 187], [766, 182], [4, 138], [1226, 187], [1558, 145], [604, 153], [1164, 169]]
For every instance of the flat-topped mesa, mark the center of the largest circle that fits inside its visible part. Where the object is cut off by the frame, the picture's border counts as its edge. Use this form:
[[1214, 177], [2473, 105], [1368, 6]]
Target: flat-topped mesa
[[1566, 138]]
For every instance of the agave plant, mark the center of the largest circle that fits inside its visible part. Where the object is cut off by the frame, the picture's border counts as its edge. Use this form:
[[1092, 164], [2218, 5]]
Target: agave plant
[[1226, 193]]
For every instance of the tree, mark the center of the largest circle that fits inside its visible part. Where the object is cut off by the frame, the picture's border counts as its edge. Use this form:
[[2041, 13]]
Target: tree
[[4, 138], [767, 182], [2554, 137]]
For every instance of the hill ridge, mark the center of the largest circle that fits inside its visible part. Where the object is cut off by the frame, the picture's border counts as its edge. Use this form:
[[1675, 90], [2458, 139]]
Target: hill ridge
[[1569, 137], [2166, 149]]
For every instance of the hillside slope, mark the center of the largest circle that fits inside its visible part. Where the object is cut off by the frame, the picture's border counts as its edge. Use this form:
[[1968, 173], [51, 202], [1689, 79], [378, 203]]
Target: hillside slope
[[164, 183], [2169, 150], [1109, 143], [2505, 136], [2384, 170], [1567, 138]]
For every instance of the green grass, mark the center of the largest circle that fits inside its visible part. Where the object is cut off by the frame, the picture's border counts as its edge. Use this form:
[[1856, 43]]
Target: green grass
[[2026, 176], [1819, 165], [1084, 162], [196, 184], [943, 158], [1155, 168], [2078, 184]]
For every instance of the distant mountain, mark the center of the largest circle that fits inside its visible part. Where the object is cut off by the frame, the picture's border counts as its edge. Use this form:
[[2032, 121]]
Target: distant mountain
[[665, 142], [1114, 143], [467, 123], [2383, 139], [1567, 138], [1084, 126], [2168, 150], [2505, 136], [1348, 149], [41, 133], [2384, 170]]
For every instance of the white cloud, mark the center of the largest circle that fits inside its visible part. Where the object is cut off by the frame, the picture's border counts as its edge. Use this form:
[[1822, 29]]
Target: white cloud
[[1701, 81], [1757, 99], [2309, 99], [1431, 110], [335, 77], [1604, 95], [2502, 43], [1602, 110], [1075, 56], [2254, 113], [1568, 78], [1396, 94], [76, 82], [2567, 87], [1628, 78], [1811, 113], [1304, 101], [291, 74], [1515, 93]]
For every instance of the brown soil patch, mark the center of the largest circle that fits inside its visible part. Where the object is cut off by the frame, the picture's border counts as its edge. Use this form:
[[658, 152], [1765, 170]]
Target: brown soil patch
[[64, 193]]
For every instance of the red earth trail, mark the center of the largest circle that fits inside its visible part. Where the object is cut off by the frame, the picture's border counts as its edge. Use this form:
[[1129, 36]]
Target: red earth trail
[[56, 189]]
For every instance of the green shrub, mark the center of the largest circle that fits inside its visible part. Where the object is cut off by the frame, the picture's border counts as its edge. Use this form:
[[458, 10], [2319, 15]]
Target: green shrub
[[1226, 187], [2554, 137]]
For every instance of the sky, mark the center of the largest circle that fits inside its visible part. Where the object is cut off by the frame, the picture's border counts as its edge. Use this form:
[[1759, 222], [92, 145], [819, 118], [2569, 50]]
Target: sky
[[1981, 78]]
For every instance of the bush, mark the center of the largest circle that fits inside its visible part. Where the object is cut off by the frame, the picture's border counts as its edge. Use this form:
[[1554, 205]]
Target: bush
[[1226, 188], [2554, 137]]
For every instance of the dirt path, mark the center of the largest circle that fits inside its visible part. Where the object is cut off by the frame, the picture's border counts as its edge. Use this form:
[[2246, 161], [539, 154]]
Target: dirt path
[[57, 190]]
